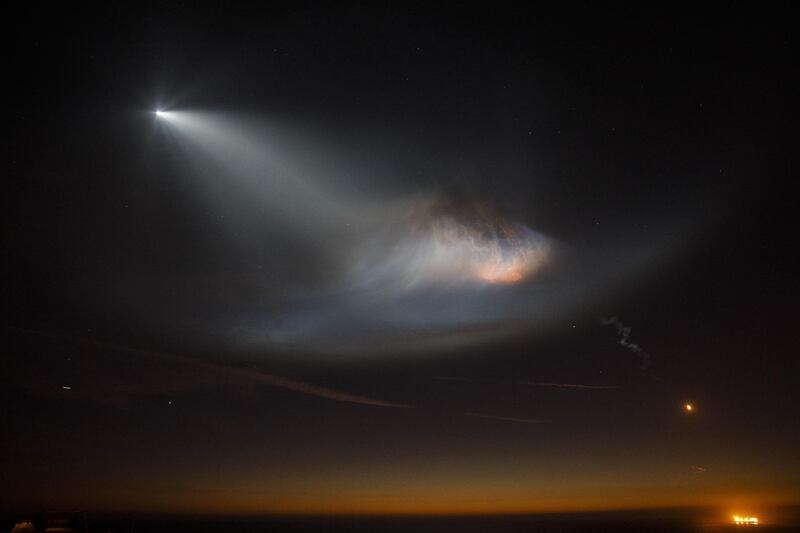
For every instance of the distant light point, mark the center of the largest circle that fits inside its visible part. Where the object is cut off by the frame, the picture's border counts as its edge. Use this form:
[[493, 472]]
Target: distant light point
[[688, 407]]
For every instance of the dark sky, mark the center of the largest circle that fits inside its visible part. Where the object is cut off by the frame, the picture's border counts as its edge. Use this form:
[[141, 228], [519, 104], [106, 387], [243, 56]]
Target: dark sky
[[285, 294]]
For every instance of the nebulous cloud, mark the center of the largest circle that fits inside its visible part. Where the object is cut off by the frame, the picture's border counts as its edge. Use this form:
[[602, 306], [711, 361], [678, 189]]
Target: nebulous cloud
[[322, 266], [426, 272], [436, 242]]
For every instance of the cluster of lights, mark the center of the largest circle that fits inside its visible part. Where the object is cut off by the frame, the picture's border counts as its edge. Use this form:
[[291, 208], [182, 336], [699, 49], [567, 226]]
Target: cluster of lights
[[745, 520]]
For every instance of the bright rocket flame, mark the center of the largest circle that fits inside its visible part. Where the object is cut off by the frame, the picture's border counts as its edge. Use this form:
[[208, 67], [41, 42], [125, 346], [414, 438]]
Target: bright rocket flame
[[745, 520]]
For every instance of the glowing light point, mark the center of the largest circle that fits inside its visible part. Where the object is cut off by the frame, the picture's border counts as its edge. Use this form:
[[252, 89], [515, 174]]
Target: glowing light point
[[688, 407], [160, 114], [745, 520]]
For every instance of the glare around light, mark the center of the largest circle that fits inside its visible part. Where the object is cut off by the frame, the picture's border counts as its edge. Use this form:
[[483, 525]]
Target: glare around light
[[745, 520]]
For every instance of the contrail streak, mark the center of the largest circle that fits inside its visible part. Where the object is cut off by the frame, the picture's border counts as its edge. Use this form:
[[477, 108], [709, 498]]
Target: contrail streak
[[308, 388]]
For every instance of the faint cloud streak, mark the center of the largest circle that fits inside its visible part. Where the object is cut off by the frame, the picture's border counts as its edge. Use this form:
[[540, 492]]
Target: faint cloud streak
[[506, 418], [528, 383], [203, 373]]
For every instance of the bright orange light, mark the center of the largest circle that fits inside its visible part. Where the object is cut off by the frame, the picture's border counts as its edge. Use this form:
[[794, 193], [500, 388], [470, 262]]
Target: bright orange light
[[745, 520], [495, 273], [688, 407]]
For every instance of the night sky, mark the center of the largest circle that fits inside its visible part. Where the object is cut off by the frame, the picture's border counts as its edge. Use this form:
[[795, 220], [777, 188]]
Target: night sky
[[398, 260]]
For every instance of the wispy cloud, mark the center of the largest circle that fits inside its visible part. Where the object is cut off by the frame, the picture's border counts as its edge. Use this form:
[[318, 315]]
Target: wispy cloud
[[624, 333]]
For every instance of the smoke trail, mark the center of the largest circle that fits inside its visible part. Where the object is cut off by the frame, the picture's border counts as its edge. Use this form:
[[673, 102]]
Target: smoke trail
[[624, 333]]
